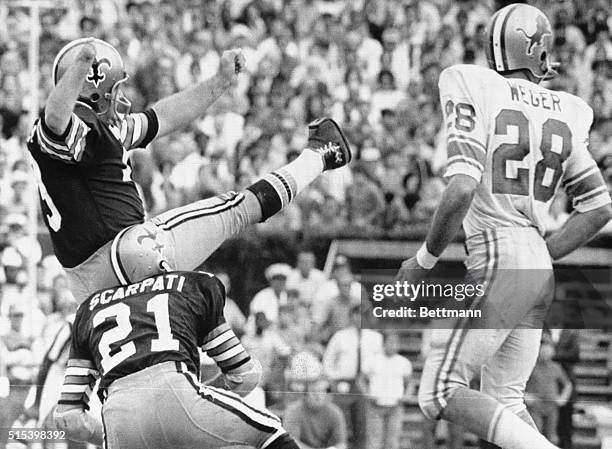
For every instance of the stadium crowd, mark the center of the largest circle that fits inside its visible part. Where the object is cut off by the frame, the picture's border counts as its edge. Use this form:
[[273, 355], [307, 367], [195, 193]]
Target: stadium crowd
[[372, 65]]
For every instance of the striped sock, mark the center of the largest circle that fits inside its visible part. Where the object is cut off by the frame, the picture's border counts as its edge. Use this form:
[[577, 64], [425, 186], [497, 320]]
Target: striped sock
[[275, 190]]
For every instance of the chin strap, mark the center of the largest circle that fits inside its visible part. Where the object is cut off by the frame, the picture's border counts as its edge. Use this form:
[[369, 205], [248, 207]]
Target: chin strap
[[550, 73]]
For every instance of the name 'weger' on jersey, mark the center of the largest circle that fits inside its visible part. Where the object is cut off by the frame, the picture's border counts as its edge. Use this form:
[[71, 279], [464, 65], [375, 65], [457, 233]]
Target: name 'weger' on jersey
[[539, 98], [160, 283]]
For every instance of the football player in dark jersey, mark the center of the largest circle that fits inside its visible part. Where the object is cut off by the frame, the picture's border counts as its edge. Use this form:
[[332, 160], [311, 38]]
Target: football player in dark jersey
[[79, 150], [142, 341]]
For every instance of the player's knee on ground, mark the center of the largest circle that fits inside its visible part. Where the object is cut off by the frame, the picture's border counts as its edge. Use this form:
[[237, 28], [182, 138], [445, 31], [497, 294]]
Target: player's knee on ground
[[285, 441]]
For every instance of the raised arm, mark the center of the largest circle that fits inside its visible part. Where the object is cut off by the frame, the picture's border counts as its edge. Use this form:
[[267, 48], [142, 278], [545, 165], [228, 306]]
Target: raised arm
[[178, 110], [63, 97]]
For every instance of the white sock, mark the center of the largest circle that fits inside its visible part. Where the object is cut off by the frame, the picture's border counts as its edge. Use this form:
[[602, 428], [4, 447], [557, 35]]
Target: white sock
[[275, 190], [509, 431], [304, 169]]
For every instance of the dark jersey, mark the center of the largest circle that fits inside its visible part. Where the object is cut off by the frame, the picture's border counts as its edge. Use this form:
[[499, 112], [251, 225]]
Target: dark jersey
[[163, 318], [86, 190]]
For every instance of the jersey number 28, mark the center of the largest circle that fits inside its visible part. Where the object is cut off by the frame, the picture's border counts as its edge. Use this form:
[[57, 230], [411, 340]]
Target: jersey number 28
[[158, 305], [556, 146]]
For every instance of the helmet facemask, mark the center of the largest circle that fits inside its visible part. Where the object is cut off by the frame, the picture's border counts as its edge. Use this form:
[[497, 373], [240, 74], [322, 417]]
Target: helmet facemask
[[118, 104]]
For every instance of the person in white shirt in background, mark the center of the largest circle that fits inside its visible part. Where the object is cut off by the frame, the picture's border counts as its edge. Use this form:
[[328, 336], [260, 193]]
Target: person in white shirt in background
[[388, 384], [348, 351], [328, 291], [305, 278], [268, 299], [21, 362]]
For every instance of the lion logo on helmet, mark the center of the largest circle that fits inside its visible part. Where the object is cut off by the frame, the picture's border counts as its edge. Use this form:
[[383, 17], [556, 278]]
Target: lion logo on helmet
[[542, 29], [95, 75]]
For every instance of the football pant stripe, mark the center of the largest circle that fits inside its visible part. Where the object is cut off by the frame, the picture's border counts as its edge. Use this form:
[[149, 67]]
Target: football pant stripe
[[235, 398], [460, 329], [116, 264], [231, 396], [223, 402], [183, 216]]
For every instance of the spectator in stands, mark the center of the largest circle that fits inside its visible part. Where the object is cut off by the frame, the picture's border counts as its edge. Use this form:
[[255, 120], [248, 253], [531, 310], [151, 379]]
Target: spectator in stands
[[348, 351], [21, 364], [365, 202], [305, 277], [337, 311], [547, 390], [268, 300], [567, 354], [388, 379], [313, 419]]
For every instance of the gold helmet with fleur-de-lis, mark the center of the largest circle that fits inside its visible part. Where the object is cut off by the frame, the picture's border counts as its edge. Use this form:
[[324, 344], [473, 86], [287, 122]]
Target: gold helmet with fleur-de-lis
[[101, 89]]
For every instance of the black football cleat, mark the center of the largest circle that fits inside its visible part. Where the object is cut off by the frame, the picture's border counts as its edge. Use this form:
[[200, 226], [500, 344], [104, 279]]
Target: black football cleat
[[326, 138]]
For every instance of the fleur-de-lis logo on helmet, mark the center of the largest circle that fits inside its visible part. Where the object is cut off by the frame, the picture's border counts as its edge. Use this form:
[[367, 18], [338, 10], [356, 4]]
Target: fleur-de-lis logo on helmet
[[95, 75]]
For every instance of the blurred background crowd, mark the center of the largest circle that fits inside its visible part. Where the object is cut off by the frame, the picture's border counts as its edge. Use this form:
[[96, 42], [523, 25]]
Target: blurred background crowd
[[372, 65]]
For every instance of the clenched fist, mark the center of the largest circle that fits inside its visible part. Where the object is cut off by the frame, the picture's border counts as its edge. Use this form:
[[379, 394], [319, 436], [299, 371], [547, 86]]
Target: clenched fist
[[88, 52], [232, 63]]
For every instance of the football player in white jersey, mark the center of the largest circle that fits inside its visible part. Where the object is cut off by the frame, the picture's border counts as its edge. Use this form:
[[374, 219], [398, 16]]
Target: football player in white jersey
[[511, 144]]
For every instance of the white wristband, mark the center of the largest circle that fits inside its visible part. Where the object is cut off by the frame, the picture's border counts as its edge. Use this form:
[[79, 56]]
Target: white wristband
[[424, 258]]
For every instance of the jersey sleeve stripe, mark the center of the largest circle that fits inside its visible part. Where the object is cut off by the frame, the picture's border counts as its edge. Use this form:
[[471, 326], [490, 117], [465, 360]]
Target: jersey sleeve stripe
[[127, 132], [234, 363], [229, 344], [592, 193], [465, 149], [219, 340], [585, 184], [77, 380], [593, 202], [49, 144], [579, 175], [74, 371], [75, 388], [466, 160], [71, 398], [213, 334], [462, 168], [461, 137], [137, 134], [79, 128], [232, 352], [81, 363]]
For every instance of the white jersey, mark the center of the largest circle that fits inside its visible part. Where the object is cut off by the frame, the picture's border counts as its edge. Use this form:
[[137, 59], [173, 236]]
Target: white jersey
[[520, 141]]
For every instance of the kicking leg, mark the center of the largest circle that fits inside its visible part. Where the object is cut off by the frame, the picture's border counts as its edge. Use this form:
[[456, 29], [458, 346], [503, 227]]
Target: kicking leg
[[198, 229]]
